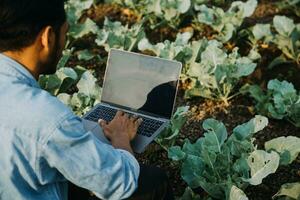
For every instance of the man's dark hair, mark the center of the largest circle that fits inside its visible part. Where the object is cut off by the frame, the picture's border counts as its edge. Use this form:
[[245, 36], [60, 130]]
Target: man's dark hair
[[22, 20]]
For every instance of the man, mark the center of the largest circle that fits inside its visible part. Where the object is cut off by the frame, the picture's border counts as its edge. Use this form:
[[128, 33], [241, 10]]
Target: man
[[43, 144]]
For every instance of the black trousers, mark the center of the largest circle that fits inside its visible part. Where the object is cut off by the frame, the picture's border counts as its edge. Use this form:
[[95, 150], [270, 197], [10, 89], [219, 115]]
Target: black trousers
[[153, 184]]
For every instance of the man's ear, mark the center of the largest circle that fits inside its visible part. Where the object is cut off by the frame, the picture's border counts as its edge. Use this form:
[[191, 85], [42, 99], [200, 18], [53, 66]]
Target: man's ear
[[47, 39]]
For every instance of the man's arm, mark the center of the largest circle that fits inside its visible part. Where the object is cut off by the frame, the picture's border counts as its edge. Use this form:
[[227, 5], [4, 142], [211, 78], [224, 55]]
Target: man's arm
[[111, 172]]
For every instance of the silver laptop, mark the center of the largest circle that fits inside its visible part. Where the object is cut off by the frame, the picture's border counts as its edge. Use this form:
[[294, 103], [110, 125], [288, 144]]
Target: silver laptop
[[138, 85]]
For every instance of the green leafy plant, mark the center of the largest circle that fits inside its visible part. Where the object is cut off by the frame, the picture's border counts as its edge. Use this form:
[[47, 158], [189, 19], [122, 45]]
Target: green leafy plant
[[225, 23], [281, 100], [165, 11], [287, 147], [286, 36], [168, 137], [217, 72], [74, 9], [179, 50], [290, 5], [168, 9], [88, 95], [190, 195], [225, 165], [86, 55], [115, 35], [63, 79], [59, 82], [288, 191]]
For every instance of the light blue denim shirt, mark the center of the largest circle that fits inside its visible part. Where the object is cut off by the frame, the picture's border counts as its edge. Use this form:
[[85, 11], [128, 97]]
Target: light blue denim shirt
[[43, 144]]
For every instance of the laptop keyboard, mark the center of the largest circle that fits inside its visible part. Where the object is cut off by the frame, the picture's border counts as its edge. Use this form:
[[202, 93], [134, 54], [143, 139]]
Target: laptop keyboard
[[147, 128]]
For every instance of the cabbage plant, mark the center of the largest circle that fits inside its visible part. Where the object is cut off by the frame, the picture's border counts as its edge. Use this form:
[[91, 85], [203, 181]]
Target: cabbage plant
[[280, 101], [225, 23], [225, 164]]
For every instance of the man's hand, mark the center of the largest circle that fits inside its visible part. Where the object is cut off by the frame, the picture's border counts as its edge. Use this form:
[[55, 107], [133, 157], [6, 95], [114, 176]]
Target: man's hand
[[121, 130]]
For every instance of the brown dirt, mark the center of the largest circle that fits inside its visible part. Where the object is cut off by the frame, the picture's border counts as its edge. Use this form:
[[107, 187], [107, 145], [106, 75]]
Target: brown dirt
[[114, 13], [160, 34]]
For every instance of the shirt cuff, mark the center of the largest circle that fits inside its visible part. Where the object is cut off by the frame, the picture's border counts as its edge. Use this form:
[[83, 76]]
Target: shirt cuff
[[134, 162]]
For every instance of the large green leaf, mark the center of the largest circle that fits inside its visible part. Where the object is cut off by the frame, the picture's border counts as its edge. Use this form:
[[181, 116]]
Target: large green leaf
[[175, 153], [247, 130], [81, 29], [244, 9], [282, 87], [79, 6], [237, 194], [291, 190], [115, 35], [287, 147], [87, 85], [261, 30], [283, 25], [191, 171], [190, 195], [215, 136], [59, 82], [167, 49], [213, 54], [262, 164], [169, 135]]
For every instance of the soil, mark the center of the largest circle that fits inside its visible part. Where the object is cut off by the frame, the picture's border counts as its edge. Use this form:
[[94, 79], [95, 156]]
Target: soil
[[239, 110], [114, 13]]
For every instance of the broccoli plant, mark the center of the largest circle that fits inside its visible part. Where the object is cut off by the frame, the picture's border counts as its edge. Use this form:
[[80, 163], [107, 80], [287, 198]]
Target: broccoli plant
[[224, 165], [281, 100], [74, 10], [168, 137], [225, 23], [287, 147], [179, 50], [290, 5], [88, 95], [58, 84], [286, 36], [167, 11], [65, 78], [115, 35], [218, 72], [62, 80], [288, 191]]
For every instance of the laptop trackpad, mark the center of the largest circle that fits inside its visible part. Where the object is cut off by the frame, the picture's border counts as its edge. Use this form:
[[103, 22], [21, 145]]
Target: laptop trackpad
[[96, 130]]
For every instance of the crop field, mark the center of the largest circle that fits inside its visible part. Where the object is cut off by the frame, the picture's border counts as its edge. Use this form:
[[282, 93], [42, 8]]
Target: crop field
[[235, 134]]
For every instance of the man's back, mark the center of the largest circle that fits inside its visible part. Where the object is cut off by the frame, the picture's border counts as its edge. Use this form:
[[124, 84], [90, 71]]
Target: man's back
[[42, 142], [27, 115]]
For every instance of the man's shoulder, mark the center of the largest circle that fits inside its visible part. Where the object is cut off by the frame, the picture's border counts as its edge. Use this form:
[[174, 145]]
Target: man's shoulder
[[48, 105], [32, 105]]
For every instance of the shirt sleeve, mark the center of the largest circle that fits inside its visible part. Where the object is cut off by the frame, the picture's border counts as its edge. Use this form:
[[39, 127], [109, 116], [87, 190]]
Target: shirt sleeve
[[89, 163]]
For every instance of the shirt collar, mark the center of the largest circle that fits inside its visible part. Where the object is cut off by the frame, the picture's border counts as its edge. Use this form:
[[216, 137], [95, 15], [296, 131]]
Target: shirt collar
[[15, 68]]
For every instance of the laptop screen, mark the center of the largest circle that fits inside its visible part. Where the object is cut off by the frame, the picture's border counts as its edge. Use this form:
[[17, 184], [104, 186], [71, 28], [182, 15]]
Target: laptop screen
[[141, 83]]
